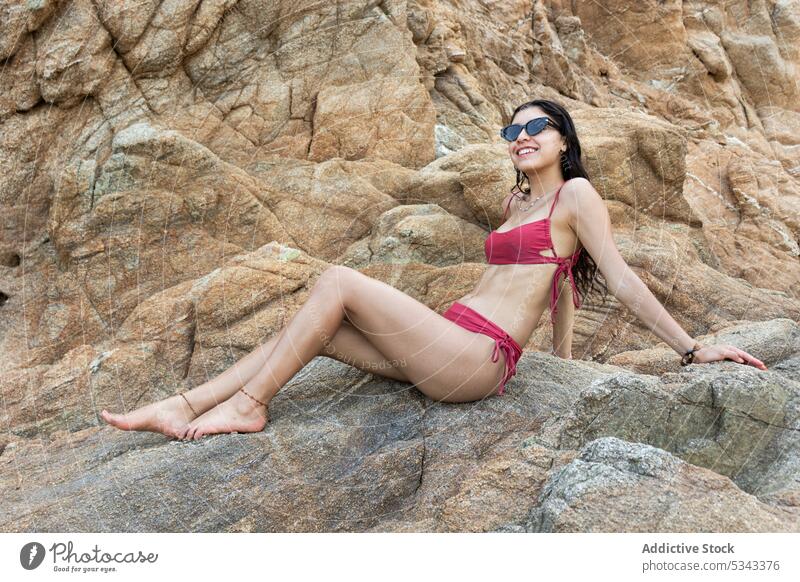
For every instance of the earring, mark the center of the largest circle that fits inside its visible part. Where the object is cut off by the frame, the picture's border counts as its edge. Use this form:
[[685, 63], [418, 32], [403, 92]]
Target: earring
[[565, 161]]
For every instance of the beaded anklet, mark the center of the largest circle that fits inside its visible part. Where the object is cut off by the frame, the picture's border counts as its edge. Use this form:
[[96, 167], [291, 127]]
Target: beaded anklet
[[189, 405], [252, 398]]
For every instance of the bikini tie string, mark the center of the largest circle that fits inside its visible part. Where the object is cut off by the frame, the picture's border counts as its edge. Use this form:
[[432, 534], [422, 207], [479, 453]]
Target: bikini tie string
[[509, 347], [564, 268]]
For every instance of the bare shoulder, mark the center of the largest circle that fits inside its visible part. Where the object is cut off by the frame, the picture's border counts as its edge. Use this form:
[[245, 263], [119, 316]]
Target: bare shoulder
[[575, 187], [581, 200], [579, 192]]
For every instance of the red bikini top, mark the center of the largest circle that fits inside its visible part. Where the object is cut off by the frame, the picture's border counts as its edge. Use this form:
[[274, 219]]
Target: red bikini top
[[522, 245]]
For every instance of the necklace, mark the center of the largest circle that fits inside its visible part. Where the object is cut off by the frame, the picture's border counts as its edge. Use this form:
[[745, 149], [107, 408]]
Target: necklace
[[535, 200]]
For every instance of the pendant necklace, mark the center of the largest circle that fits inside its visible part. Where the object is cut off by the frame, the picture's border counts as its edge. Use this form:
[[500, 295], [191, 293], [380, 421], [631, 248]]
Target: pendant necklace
[[535, 200]]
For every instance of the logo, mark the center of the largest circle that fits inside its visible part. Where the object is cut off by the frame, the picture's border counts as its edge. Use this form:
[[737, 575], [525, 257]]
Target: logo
[[31, 555], [65, 559]]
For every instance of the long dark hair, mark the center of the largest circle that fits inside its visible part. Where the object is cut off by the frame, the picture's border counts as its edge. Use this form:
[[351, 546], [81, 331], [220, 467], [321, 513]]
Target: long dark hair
[[584, 270]]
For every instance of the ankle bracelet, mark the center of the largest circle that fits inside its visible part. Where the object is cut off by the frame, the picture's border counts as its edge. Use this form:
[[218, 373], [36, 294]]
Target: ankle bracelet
[[189, 405], [255, 399]]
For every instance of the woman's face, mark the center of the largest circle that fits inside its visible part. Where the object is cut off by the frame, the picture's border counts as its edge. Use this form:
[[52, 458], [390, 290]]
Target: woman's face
[[548, 144]]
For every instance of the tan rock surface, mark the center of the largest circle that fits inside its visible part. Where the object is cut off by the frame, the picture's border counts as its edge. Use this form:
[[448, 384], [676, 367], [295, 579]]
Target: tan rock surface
[[176, 176]]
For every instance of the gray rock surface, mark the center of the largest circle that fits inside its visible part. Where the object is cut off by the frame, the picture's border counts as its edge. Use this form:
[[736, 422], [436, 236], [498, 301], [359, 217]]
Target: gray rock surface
[[619, 486], [572, 446]]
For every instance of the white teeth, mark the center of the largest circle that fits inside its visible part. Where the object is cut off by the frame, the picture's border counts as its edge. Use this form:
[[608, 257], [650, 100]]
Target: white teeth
[[524, 151]]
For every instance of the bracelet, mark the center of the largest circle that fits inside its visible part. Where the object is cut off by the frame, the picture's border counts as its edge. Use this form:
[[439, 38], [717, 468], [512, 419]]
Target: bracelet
[[252, 397], [688, 357]]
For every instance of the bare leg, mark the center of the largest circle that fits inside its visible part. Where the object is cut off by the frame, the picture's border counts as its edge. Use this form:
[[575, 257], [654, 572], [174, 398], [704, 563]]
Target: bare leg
[[312, 327], [172, 415], [449, 363]]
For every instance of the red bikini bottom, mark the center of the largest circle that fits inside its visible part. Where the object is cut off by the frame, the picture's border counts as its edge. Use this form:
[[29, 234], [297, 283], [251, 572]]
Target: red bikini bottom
[[471, 320]]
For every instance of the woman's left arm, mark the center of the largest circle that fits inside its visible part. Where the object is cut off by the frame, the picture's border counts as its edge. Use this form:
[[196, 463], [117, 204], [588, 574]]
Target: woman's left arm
[[591, 222], [564, 321]]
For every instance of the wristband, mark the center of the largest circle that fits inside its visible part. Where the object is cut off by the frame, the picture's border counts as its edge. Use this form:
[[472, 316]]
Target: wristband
[[688, 357]]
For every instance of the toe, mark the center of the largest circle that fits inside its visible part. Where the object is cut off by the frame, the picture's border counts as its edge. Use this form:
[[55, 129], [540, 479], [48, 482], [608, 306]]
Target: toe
[[113, 419]]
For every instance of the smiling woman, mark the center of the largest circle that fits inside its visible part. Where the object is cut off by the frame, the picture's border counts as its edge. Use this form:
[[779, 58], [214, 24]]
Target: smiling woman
[[554, 131], [588, 223], [557, 236]]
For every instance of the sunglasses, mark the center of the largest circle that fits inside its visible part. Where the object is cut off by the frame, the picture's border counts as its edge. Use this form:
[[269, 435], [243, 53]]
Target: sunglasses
[[534, 126]]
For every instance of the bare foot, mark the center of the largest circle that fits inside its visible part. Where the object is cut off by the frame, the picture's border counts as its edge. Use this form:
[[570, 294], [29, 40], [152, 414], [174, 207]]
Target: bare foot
[[237, 414], [169, 417]]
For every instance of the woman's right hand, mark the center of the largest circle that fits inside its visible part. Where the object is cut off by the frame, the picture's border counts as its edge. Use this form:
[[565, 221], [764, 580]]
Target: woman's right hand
[[719, 352]]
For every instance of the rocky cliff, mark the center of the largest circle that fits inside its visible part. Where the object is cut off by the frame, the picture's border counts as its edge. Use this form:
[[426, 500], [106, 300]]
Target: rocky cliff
[[176, 175]]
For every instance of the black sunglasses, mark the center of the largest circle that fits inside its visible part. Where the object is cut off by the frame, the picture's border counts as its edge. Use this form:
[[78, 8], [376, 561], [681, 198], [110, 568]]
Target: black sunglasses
[[534, 126]]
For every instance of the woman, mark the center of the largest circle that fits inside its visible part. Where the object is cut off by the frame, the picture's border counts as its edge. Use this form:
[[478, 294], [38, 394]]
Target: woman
[[557, 236]]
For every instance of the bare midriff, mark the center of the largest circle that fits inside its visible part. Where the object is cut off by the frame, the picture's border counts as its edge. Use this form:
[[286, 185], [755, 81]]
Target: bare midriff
[[514, 297]]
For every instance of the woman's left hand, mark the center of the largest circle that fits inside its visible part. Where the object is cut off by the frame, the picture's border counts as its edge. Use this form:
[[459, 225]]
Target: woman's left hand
[[725, 352]]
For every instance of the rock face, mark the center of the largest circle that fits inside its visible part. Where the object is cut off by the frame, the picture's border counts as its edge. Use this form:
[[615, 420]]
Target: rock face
[[619, 486], [177, 175]]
